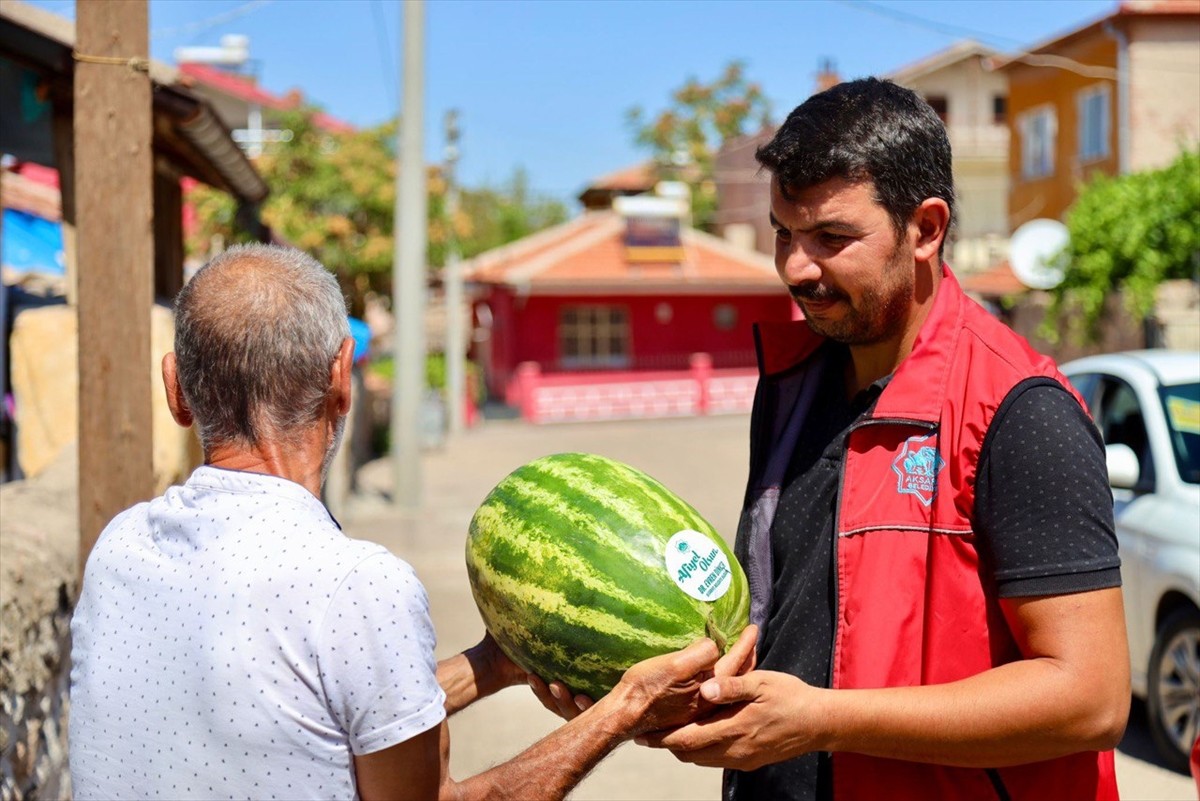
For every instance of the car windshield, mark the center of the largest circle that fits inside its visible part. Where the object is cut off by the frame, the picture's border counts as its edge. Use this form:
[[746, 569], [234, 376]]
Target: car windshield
[[1182, 404]]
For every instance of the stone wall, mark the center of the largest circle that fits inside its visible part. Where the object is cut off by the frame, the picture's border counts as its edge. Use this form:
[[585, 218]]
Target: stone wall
[[1174, 323], [39, 541]]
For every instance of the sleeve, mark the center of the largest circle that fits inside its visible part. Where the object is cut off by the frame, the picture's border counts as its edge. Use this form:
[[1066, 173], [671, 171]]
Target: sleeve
[[1043, 506], [375, 656]]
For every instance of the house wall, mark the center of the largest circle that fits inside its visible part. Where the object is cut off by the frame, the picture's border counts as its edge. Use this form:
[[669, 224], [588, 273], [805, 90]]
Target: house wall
[[527, 330], [1164, 96], [1030, 87], [980, 148], [744, 192], [980, 237], [969, 90]]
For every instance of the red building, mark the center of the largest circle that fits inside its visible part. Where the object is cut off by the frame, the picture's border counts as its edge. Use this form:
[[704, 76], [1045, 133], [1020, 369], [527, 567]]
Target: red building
[[631, 310]]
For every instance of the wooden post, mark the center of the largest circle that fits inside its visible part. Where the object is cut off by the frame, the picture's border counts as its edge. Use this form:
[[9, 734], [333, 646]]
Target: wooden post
[[64, 159], [115, 256], [168, 235]]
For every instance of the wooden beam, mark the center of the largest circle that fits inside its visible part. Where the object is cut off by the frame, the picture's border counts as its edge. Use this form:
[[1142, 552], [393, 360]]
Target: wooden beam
[[168, 234], [115, 256], [64, 159]]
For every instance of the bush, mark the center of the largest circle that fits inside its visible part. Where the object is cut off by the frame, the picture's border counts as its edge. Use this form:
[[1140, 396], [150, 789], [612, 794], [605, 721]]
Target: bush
[[1129, 234]]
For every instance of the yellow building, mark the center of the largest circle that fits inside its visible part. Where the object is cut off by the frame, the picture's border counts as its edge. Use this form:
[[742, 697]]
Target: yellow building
[[1120, 94]]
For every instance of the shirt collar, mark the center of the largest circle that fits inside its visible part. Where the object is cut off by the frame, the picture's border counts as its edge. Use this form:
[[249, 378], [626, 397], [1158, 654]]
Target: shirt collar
[[207, 477]]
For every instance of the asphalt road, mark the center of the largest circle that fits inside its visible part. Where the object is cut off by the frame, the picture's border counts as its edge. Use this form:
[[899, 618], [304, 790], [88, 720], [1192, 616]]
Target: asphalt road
[[701, 459]]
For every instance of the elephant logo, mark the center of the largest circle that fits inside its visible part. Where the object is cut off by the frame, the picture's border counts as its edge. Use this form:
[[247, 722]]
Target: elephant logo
[[917, 466]]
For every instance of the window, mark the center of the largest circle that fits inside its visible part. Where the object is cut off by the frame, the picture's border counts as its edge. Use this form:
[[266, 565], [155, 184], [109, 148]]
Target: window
[[940, 106], [1038, 130], [999, 109], [1093, 123], [1182, 403], [725, 316], [1118, 413], [594, 336]]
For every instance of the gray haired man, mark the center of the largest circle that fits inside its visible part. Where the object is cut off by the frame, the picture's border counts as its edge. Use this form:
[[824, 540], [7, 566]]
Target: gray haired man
[[230, 641]]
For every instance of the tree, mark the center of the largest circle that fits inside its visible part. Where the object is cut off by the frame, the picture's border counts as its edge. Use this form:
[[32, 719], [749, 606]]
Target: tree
[[492, 216], [684, 137], [332, 195], [1128, 235]]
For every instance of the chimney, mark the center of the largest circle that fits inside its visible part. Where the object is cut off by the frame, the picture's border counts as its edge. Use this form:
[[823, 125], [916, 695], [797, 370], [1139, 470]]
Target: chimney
[[827, 76]]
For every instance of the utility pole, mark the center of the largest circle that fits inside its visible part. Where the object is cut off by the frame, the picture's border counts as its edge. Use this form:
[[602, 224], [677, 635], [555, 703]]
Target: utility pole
[[452, 278], [408, 268], [114, 208]]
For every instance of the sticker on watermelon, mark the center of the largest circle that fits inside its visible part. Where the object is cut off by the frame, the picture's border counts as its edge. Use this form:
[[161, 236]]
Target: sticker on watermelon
[[698, 566]]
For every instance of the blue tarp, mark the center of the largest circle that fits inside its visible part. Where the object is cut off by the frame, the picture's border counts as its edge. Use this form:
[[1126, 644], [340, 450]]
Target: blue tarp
[[362, 338], [31, 244]]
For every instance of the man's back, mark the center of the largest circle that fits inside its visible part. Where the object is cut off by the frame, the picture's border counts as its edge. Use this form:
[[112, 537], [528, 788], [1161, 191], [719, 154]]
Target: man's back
[[230, 641]]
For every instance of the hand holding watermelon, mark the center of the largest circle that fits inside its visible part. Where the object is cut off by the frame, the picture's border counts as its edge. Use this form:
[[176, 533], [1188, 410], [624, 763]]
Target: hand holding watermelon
[[582, 567], [476, 673], [559, 698], [664, 691], [562, 701]]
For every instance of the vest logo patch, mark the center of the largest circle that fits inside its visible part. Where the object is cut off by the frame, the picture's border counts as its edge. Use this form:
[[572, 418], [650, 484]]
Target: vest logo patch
[[917, 465]]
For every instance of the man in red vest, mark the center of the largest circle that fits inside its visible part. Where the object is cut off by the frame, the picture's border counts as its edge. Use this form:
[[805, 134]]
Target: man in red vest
[[928, 525]]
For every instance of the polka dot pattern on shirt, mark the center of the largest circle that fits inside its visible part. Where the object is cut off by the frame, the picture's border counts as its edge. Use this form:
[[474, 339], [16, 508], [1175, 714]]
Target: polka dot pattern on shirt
[[230, 641]]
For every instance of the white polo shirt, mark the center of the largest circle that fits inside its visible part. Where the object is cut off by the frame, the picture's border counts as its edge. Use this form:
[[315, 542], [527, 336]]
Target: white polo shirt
[[231, 642]]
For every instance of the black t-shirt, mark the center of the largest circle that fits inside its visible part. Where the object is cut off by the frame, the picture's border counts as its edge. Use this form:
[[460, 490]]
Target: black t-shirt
[[1040, 448]]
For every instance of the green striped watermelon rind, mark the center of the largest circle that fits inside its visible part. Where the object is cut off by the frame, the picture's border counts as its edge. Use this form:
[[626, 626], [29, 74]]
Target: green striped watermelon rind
[[532, 555]]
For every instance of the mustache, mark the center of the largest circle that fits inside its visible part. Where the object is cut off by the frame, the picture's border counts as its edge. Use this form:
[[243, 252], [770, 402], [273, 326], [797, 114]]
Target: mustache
[[814, 292]]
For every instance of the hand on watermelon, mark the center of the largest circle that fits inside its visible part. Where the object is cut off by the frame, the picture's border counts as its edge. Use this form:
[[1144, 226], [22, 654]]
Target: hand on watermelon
[[476, 673], [558, 697], [664, 691], [764, 717], [741, 657], [493, 666]]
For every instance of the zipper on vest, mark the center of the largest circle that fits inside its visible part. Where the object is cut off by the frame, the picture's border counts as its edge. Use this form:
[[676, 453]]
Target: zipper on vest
[[998, 784], [837, 514], [837, 525]]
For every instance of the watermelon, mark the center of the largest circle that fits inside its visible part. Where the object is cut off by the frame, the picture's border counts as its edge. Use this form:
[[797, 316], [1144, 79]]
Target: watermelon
[[582, 566]]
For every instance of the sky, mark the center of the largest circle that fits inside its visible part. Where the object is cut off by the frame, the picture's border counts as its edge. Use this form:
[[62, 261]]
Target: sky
[[545, 84]]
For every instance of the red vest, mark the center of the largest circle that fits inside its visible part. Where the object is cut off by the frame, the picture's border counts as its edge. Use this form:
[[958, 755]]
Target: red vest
[[915, 605]]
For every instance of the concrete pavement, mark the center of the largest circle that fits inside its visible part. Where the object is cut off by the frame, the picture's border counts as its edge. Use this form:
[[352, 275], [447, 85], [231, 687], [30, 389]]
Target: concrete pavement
[[701, 459]]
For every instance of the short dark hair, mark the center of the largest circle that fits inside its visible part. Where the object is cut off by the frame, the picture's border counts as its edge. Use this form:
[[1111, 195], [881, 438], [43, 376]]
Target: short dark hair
[[867, 129]]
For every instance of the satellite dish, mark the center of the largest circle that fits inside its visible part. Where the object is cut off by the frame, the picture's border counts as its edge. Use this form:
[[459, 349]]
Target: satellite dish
[[1037, 253]]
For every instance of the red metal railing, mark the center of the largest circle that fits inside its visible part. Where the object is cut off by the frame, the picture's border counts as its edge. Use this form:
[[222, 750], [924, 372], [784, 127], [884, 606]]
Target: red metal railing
[[701, 389]]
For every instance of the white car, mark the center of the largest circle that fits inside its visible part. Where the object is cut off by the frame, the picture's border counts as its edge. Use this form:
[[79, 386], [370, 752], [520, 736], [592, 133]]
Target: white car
[[1147, 406]]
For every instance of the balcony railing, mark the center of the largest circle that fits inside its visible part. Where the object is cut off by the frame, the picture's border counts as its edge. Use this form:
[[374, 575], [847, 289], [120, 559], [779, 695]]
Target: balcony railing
[[978, 141]]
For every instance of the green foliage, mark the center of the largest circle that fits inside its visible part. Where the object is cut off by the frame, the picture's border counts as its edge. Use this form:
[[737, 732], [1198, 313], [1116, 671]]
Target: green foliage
[[1129, 234], [684, 137], [435, 373], [333, 194], [495, 216]]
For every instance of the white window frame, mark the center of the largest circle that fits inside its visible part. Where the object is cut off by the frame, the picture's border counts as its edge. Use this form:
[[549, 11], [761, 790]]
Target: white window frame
[[1087, 131], [1038, 146]]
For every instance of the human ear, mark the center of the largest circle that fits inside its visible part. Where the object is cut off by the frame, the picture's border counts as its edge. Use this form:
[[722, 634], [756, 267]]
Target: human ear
[[339, 379], [175, 400], [932, 221]]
